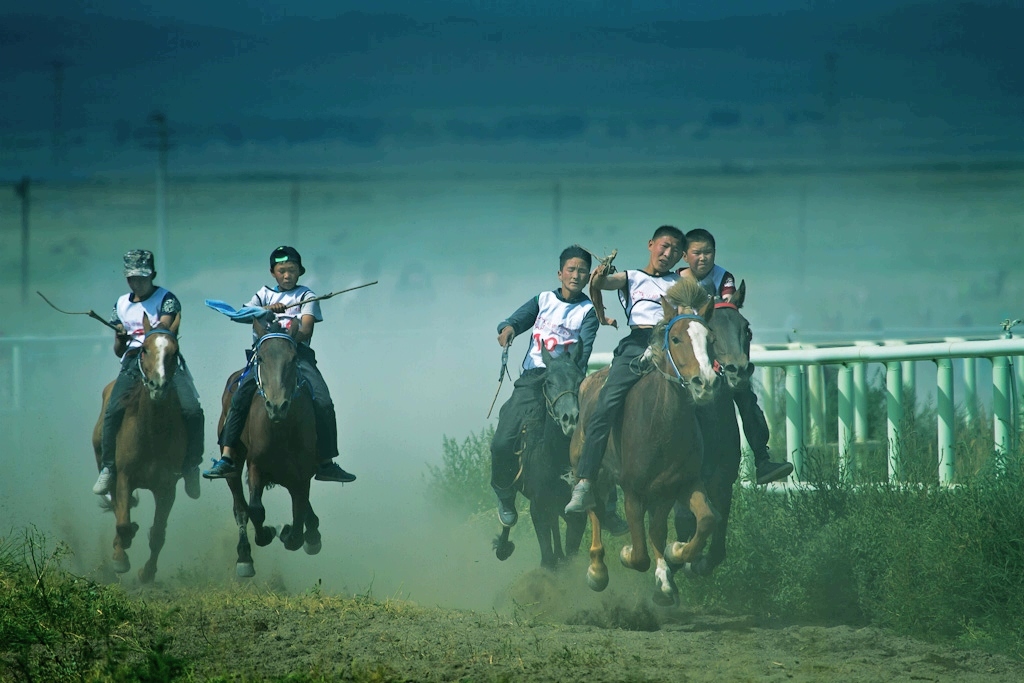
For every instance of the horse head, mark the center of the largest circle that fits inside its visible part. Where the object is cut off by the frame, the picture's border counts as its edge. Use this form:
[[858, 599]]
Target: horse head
[[562, 386], [681, 343], [732, 339], [277, 374], [158, 358]]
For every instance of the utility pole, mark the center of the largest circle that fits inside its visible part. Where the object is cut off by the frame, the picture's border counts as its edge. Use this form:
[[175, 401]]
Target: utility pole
[[21, 189], [158, 137], [57, 138]]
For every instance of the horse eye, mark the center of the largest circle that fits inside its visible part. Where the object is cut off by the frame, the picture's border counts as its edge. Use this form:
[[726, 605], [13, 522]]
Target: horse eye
[[675, 340]]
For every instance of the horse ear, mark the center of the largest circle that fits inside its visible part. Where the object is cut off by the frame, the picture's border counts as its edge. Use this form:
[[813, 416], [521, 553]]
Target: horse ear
[[146, 327], [259, 326], [708, 309], [545, 354], [669, 310], [741, 292]]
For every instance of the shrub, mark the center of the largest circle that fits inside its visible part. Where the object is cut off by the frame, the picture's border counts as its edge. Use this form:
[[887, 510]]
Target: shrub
[[462, 482]]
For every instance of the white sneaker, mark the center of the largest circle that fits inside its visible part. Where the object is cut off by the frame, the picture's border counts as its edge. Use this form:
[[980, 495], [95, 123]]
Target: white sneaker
[[103, 484], [582, 499]]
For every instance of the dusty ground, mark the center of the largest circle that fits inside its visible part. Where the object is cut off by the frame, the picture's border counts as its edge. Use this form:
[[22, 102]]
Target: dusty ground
[[252, 633]]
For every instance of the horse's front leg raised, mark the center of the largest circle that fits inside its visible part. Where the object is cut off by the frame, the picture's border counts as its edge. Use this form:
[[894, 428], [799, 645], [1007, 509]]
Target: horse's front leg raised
[[291, 534], [311, 539], [125, 528], [164, 498], [258, 513], [597, 572], [667, 593], [634, 555], [682, 553], [542, 515], [243, 566]]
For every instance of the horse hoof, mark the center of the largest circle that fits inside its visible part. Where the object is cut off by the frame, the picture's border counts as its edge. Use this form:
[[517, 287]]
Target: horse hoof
[[265, 535], [122, 566], [505, 550], [311, 548], [665, 599], [597, 580], [145, 576], [676, 553], [245, 570]]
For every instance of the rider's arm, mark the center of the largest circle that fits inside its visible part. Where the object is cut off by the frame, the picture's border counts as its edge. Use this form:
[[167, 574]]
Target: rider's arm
[[588, 333], [305, 332], [616, 280], [520, 321]]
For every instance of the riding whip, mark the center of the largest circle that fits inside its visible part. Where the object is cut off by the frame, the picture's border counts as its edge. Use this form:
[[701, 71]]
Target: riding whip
[[595, 294], [501, 377], [92, 314], [328, 296]]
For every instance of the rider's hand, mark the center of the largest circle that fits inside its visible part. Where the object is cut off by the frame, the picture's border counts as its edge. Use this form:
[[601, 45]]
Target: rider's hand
[[506, 336], [120, 333], [276, 308]]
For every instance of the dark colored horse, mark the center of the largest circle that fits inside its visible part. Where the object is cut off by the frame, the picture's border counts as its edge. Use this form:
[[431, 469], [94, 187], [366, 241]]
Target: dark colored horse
[[150, 446], [544, 458], [278, 445], [731, 350], [656, 452]]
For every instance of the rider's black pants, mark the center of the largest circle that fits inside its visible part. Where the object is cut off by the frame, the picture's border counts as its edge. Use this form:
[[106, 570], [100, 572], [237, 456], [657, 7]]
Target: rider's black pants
[[622, 375], [525, 405]]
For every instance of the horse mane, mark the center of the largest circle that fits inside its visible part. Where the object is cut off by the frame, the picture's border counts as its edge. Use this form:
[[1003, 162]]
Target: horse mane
[[686, 293]]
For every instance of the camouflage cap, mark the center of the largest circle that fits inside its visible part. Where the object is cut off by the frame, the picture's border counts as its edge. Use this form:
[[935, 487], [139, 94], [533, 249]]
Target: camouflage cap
[[138, 263]]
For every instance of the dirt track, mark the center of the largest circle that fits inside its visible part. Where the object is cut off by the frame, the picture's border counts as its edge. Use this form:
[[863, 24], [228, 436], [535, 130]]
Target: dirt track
[[254, 634]]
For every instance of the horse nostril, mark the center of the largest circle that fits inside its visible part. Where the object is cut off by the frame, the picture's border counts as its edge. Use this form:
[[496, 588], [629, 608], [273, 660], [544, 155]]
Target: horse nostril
[[698, 382], [731, 369]]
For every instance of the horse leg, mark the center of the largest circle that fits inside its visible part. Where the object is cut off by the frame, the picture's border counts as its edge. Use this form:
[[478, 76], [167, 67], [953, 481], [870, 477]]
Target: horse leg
[[667, 593], [291, 534], [503, 548], [634, 555], [597, 571], [164, 498], [125, 528], [258, 514], [683, 553], [556, 535], [243, 566], [542, 527], [574, 528], [311, 538], [686, 523]]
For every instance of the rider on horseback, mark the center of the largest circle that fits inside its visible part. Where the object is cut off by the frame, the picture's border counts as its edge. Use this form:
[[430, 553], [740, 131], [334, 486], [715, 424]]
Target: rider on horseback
[[286, 300], [721, 284], [164, 310], [640, 293], [559, 319]]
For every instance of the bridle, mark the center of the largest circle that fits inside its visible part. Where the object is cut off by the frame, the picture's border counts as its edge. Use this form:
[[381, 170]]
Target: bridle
[[142, 350], [551, 402], [256, 360], [678, 378]]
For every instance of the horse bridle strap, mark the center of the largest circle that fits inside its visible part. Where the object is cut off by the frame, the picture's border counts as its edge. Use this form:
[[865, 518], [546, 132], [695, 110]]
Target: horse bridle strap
[[668, 328], [551, 402], [726, 304], [256, 359]]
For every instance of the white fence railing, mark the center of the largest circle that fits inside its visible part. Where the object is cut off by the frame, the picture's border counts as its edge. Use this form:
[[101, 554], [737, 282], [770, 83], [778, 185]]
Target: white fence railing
[[804, 393]]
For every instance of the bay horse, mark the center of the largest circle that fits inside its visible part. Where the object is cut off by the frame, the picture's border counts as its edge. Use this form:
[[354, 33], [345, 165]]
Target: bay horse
[[150, 446], [544, 461], [655, 453], [278, 445], [718, 424]]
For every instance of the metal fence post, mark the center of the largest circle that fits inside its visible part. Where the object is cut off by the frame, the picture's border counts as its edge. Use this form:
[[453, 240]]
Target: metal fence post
[[860, 402], [1001, 406], [944, 409], [795, 418], [971, 389], [845, 433], [894, 409]]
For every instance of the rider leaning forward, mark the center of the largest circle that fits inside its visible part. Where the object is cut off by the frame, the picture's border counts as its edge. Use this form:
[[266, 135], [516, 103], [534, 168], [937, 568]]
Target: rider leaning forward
[[721, 284], [162, 308], [560, 319], [291, 303]]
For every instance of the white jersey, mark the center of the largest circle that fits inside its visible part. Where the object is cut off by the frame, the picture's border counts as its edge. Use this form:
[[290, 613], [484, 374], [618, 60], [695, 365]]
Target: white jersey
[[641, 297], [130, 313], [557, 327], [296, 295]]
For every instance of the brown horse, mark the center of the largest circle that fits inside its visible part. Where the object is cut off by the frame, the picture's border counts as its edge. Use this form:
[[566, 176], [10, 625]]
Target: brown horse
[[150, 446], [655, 454], [278, 444]]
